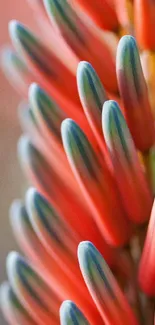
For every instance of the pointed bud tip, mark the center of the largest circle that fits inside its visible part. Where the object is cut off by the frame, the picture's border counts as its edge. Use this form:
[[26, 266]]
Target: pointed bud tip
[[66, 311], [71, 314], [31, 196], [12, 261], [112, 119], [127, 38], [110, 110], [126, 43], [69, 132], [14, 27], [66, 308], [110, 106], [83, 69], [82, 66], [66, 125], [33, 91], [84, 249]]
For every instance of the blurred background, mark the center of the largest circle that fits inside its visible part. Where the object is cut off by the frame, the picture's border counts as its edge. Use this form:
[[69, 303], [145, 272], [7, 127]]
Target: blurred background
[[11, 178]]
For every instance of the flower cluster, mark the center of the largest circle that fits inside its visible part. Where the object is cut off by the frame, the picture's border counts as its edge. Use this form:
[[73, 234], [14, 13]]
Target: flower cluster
[[86, 228]]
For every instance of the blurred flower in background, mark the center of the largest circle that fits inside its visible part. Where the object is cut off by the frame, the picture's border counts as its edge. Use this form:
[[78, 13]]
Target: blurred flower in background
[[88, 148], [11, 178]]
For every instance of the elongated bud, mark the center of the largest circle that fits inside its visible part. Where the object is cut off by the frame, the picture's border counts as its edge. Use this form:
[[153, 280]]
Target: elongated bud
[[16, 71], [134, 94], [103, 287], [80, 38], [39, 300], [135, 193], [96, 183], [48, 70], [47, 114], [11, 307], [92, 96]]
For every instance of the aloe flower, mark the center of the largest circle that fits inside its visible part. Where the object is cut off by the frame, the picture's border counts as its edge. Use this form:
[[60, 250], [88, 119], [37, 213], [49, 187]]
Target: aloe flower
[[86, 224]]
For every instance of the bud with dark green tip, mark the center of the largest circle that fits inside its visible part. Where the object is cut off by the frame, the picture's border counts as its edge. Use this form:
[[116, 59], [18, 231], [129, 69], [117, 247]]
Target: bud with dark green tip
[[12, 309], [108, 297], [16, 70], [71, 315], [46, 112], [47, 68], [96, 183], [38, 298], [35, 166], [92, 96], [134, 94], [50, 225], [132, 184]]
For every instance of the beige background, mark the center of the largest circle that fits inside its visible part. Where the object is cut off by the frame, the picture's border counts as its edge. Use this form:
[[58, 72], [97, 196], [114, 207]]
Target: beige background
[[11, 178]]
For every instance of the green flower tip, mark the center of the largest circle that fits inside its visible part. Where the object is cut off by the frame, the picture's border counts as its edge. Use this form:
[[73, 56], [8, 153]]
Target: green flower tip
[[82, 68], [31, 196], [125, 43], [37, 98], [71, 315], [85, 73], [36, 202], [85, 250], [22, 37], [90, 88], [74, 140], [13, 261], [15, 29], [34, 91], [67, 312], [67, 128], [37, 95], [127, 54], [110, 114]]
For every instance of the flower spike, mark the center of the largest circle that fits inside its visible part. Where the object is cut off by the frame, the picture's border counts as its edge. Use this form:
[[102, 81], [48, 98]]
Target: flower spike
[[88, 146]]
